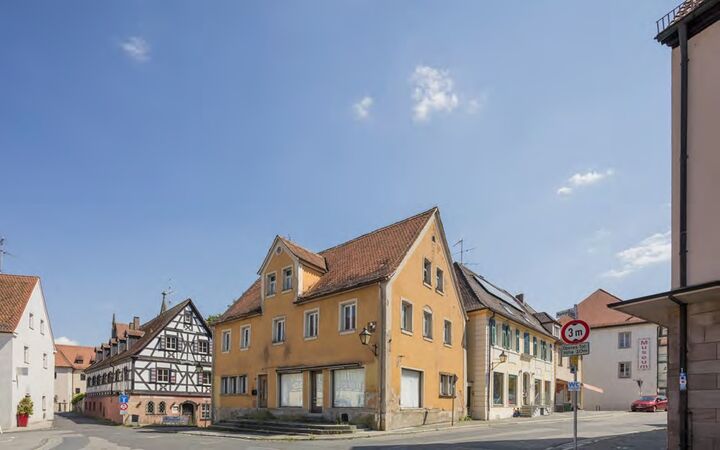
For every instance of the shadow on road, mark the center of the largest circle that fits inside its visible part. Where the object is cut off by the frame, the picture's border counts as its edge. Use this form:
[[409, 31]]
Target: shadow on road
[[80, 419]]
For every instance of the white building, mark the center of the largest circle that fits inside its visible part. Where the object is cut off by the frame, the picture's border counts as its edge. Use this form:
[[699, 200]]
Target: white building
[[27, 358], [70, 363], [625, 358]]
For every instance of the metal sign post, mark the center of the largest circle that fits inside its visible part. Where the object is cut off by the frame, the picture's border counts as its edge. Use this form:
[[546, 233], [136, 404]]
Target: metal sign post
[[574, 333], [575, 402]]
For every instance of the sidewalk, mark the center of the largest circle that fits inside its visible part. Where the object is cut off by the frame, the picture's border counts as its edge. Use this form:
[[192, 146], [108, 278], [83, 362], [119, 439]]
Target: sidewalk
[[555, 417], [46, 425]]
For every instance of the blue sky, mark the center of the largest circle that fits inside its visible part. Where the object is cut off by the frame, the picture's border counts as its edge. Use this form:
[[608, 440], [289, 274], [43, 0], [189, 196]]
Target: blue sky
[[144, 144]]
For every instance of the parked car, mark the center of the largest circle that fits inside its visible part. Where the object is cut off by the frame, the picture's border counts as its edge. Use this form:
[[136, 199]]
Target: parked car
[[650, 403]]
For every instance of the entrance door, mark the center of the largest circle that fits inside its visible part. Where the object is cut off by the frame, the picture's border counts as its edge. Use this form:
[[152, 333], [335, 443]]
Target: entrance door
[[262, 391], [188, 410], [526, 389], [316, 392]]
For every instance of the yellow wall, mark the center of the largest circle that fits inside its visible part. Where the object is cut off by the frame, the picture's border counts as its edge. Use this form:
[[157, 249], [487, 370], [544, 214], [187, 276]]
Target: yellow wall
[[413, 351]]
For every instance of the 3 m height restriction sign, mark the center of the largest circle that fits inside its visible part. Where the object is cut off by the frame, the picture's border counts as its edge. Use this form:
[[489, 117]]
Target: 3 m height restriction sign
[[575, 332]]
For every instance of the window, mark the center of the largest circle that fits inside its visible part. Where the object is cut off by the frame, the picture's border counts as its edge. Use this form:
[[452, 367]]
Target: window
[[312, 320], [550, 353], [31, 321], [349, 388], [506, 336], [624, 370], [26, 354], [278, 334], [82, 377], [517, 340], [205, 377], [498, 388], [77, 390], [45, 361], [427, 324], [226, 341], [42, 326], [427, 271], [171, 343], [161, 408], [187, 316], [526, 343], [203, 347], [205, 411], [512, 389], [439, 280], [447, 385], [242, 384], [228, 385], [447, 333], [150, 407], [163, 375], [410, 389], [406, 313], [118, 375], [624, 339], [348, 312], [270, 285], [543, 350], [44, 403], [493, 332], [287, 278], [535, 347], [291, 389], [245, 336]]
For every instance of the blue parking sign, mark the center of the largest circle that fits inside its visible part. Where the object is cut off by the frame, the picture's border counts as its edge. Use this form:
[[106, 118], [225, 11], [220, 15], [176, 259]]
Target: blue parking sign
[[124, 398]]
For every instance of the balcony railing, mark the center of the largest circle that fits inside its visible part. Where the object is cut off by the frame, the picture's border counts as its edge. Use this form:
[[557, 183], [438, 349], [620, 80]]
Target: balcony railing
[[666, 20]]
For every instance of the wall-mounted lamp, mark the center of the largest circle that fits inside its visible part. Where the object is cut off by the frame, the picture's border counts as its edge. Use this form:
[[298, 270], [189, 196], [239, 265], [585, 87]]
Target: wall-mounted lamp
[[503, 359], [365, 335]]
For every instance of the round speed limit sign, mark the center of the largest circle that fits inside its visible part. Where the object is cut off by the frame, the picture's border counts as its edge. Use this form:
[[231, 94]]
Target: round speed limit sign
[[575, 332]]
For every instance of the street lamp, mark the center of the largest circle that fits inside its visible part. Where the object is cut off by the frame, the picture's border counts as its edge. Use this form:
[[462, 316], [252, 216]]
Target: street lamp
[[365, 335]]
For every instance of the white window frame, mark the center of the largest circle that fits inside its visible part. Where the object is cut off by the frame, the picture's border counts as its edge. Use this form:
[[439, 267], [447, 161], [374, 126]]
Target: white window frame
[[206, 350], [245, 343], [624, 337], [285, 279], [427, 272], [205, 411], [336, 388], [42, 326], [306, 315], [403, 303], [427, 335], [275, 337], [187, 316], [439, 280], [341, 317], [223, 341], [241, 385], [31, 321], [447, 340], [268, 284], [628, 366], [171, 338], [447, 386], [159, 377], [26, 354]]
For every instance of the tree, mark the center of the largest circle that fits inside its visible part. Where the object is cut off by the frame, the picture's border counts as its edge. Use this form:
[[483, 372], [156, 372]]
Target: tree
[[212, 318]]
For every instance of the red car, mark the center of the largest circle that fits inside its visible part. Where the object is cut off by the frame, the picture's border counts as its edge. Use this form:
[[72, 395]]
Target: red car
[[650, 403]]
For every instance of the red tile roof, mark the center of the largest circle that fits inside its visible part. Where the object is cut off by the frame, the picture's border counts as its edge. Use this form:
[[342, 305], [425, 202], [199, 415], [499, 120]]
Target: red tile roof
[[305, 255], [364, 260], [594, 310], [74, 356], [15, 292]]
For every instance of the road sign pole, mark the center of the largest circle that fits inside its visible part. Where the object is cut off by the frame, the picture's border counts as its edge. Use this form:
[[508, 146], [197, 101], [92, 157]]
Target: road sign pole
[[575, 403]]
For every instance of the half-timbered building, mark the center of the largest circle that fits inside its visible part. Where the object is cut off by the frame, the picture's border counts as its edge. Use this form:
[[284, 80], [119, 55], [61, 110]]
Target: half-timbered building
[[164, 366]]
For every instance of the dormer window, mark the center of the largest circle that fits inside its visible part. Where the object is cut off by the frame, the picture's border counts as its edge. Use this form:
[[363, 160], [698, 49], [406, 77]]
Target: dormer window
[[287, 278], [270, 284]]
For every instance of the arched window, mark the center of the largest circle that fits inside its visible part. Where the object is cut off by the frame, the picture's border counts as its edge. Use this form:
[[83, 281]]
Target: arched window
[[161, 408], [150, 407], [104, 378], [110, 377], [126, 374], [118, 375]]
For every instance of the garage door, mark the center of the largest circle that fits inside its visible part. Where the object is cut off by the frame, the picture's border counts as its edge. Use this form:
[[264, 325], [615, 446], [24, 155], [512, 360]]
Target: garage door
[[410, 388]]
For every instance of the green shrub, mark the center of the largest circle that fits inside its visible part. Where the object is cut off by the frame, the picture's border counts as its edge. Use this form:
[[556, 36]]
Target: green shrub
[[77, 398], [25, 406]]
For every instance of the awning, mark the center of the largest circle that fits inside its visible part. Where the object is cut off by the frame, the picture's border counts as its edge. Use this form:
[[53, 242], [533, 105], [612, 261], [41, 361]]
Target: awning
[[662, 308]]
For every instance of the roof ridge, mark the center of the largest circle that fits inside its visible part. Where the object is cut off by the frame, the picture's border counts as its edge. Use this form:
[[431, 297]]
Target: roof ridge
[[283, 238], [164, 313], [407, 219]]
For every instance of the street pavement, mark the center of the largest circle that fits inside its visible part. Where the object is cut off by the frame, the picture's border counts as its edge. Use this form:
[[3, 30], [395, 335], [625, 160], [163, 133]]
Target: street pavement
[[615, 430]]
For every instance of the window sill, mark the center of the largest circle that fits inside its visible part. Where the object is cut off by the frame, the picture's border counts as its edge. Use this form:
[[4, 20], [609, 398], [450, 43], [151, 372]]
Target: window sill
[[310, 338], [284, 291], [428, 339], [407, 332], [278, 343], [344, 332], [445, 344], [446, 396], [440, 292], [244, 349], [429, 286]]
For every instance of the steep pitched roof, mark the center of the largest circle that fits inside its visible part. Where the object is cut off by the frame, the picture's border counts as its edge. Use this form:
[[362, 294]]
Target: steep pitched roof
[[74, 356], [306, 256], [478, 293], [594, 310], [364, 260], [149, 329], [15, 292]]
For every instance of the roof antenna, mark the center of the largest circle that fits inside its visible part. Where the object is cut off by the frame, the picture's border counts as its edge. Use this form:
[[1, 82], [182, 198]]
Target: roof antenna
[[166, 293], [462, 251], [3, 252]]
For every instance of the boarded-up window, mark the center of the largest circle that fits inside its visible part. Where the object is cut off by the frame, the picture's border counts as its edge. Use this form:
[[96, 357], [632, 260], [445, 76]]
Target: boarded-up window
[[410, 388], [291, 389], [349, 388]]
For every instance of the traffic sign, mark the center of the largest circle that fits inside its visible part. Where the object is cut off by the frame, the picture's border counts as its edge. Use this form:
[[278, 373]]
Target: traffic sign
[[124, 398], [574, 386], [123, 406], [575, 350], [575, 332]]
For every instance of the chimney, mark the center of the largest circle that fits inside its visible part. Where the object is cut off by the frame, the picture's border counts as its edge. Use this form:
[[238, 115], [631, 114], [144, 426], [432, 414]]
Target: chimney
[[135, 323], [520, 297]]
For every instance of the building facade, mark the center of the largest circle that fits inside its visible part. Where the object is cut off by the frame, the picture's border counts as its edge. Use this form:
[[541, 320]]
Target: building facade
[[691, 310], [70, 364], [26, 350], [509, 352], [369, 331], [164, 366]]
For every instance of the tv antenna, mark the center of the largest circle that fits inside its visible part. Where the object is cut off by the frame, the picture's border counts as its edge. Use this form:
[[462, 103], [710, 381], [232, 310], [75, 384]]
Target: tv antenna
[[463, 250], [3, 252]]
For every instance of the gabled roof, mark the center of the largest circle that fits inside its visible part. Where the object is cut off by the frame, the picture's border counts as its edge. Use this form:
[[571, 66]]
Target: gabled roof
[[364, 260], [150, 330], [305, 255], [478, 293], [74, 356], [595, 311], [15, 292]]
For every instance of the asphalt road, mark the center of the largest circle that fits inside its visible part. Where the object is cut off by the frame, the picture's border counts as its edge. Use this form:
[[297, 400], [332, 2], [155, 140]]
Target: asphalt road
[[617, 431]]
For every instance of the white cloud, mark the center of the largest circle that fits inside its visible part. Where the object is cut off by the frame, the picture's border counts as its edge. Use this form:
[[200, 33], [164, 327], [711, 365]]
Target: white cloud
[[136, 48], [64, 340], [477, 104], [432, 91], [650, 251], [362, 107], [584, 179]]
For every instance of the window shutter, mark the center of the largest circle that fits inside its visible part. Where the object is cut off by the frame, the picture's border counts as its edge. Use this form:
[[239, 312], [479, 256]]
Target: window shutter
[[180, 343], [153, 375], [172, 376], [194, 346], [161, 343]]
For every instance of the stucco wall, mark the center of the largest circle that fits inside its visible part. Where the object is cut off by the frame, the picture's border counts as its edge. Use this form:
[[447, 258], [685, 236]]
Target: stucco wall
[[63, 388], [600, 367], [107, 407]]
